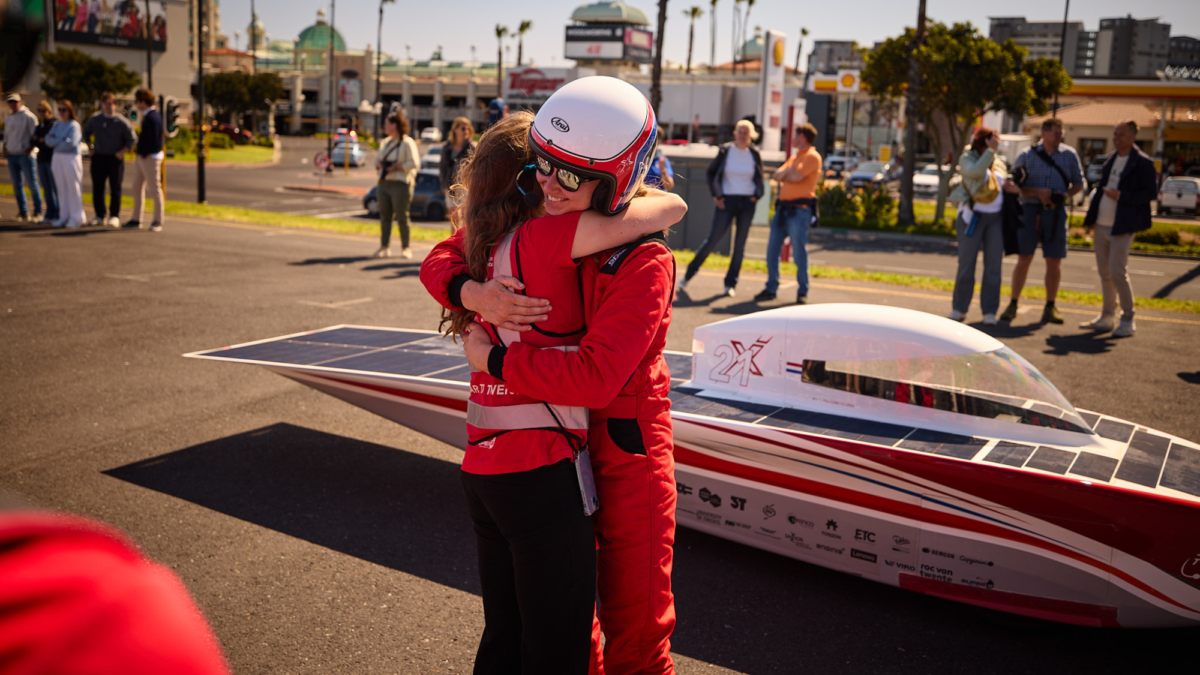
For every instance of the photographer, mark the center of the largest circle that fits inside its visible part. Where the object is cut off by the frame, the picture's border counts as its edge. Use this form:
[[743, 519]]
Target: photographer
[[1053, 176]]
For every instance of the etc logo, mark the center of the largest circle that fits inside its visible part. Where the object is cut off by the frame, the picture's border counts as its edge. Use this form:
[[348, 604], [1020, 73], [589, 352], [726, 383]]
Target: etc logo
[[737, 360]]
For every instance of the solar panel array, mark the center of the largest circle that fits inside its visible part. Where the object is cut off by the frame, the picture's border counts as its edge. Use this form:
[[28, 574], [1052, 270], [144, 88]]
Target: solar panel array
[[1150, 459]]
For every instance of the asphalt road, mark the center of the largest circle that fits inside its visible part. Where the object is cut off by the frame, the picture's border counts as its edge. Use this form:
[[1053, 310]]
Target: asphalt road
[[318, 538]]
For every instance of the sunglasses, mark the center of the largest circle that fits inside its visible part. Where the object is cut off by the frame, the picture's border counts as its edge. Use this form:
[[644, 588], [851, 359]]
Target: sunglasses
[[568, 180], [62, 110]]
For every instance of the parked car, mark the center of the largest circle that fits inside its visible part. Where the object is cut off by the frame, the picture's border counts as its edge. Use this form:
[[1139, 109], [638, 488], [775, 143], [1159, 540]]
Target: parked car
[[1194, 172], [843, 160], [675, 141], [1181, 193], [925, 181], [1095, 170], [874, 173], [355, 156], [431, 135], [432, 158], [342, 134], [428, 202], [234, 132]]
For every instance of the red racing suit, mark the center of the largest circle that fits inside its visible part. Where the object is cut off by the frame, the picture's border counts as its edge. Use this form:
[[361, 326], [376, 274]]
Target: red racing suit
[[620, 374]]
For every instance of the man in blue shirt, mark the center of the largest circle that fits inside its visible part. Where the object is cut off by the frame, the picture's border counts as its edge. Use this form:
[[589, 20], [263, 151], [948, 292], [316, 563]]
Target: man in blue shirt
[[1054, 176]]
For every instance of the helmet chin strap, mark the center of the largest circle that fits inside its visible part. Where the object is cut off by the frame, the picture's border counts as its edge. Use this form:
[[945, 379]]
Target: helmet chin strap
[[531, 200]]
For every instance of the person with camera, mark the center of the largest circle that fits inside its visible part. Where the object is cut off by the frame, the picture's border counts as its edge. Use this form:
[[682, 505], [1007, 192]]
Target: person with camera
[[397, 164], [1051, 176]]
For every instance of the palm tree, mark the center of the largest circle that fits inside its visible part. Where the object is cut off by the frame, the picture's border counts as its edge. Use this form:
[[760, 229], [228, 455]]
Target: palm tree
[[501, 33], [745, 23], [692, 13], [378, 64], [656, 72], [521, 31], [733, 37], [800, 46], [712, 34]]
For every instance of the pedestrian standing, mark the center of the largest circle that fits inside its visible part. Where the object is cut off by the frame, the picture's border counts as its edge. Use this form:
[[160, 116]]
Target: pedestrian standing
[[147, 165], [18, 147], [397, 165], [736, 182], [455, 150], [44, 156], [1054, 176], [660, 174], [110, 136], [1120, 207], [980, 225], [67, 166], [794, 212]]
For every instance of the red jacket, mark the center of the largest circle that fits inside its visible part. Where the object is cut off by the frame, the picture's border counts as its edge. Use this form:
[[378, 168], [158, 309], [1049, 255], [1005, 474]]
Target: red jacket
[[619, 370]]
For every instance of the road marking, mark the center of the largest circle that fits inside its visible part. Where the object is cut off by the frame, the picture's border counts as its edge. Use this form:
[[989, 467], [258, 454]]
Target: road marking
[[145, 278], [1146, 272], [1086, 287], [280, 233], [335, 305], [339, 214], [906, 270]]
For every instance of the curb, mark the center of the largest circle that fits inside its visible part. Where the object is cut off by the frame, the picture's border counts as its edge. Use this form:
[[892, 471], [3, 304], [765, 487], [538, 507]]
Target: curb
[[333, 189], [276, 159]]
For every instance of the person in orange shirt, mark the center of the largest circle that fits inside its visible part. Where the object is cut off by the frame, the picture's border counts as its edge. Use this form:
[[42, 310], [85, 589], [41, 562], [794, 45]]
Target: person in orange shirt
[[794, 212]]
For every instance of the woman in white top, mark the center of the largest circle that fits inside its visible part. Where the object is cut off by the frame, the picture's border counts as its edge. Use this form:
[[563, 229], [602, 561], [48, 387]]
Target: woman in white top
[[67, 166], [397, 163], [980, 225], [735, 179]]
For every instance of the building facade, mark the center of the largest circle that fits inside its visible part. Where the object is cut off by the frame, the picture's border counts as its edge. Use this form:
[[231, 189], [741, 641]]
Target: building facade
[[1128, 47], [1046, 39]]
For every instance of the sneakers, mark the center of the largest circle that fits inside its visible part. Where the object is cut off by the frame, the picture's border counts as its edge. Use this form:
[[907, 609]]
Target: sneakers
[[22, 217], [1100, 324], [1125, 329], [406, 253], [98, 222], [383, 253], [113, 221], [156, 227], [801, 299], [730, 291], [1011, 312], [134, 224], [1050, 314], [956, 315], [37, 217], [681, 284], [990, 320], [765, 296]]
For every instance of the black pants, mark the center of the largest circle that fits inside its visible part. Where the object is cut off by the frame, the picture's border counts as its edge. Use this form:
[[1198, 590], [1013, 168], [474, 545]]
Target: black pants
[[110, 169], [737, 207], [537, 566]]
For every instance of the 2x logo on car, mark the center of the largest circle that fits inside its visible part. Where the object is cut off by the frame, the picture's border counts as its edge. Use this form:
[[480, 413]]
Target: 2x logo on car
[[737, 360]]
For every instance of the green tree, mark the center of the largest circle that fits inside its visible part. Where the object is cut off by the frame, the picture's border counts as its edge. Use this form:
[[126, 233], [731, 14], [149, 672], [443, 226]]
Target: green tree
[[228, 93], [522, 29], [72, 75], [264, 89], [501, 33], [692, 13], [963, 76], [656, 67]]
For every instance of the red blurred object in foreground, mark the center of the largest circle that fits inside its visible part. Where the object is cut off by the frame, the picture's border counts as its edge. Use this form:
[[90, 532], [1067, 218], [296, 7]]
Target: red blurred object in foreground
[[77, 596]]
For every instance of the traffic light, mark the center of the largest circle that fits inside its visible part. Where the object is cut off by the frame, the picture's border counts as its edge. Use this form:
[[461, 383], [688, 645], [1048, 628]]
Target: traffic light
[[171, 116]]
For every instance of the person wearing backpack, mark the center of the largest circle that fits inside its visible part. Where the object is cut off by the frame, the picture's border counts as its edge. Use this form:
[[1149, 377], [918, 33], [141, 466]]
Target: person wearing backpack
[[1054, 176], [980, 225]]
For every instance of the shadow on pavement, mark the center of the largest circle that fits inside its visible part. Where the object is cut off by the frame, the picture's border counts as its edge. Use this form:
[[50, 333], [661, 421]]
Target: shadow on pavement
[[1190, 378], [738, 607], [344, 260], [1165, 291], [1083, 343]]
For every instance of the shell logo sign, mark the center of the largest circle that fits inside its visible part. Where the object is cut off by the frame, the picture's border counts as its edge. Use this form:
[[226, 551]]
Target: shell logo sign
[[847, 81], [778, 53]]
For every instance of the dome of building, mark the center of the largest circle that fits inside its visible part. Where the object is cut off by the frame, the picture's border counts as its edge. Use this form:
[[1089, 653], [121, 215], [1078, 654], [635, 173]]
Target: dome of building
[[610, 12], [316, 36], [254, 32], [753, 48]]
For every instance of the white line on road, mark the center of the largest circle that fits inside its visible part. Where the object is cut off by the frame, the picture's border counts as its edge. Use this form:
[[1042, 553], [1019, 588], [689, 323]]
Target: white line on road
[[1086, 287], [906, 270], [280, 233], [339, 214], [1146, 272], [307, 212], [145, 278], [335, 305]]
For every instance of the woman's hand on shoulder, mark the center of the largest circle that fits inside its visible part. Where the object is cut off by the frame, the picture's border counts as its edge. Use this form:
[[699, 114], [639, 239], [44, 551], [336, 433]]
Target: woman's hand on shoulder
[[477, 345], [498, 303]]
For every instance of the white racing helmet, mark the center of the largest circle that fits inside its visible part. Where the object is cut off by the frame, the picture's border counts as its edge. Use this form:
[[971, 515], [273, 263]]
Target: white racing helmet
[[598, 128]]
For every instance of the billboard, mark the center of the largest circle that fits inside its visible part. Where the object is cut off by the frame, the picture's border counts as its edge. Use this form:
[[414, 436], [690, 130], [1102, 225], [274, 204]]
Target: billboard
[[349, 92], [112, 23], [609, 43], [770, 105]]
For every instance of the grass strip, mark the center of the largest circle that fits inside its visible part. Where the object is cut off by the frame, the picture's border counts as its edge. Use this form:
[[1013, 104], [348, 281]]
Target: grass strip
[[787, 269], [237, 214]]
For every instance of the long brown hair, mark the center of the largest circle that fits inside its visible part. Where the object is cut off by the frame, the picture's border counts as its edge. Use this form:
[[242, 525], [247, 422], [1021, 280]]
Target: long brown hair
[[70, 108], [493, 204], [982, 134]]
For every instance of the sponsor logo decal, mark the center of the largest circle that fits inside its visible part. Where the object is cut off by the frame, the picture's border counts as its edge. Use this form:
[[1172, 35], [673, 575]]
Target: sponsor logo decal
[[797, 368], [768, 511], [974, 561], [706, 496], [736, 358], [979, 583], [490, 389], [1191, 567], [937, 573], [797, 540], [934, 551], [737, 503], [487, 444], [863, 555], [734, 523], [831, 524], [796, 520], [831, 549], [532, 81], [560, 124], [766, 531], [899, 565], [863, 535], [900, 544], [683, 489], [710, 518], [831, 529]]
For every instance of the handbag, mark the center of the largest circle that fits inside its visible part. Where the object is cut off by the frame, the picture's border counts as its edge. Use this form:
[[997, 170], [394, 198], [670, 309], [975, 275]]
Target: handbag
[[988, 192]]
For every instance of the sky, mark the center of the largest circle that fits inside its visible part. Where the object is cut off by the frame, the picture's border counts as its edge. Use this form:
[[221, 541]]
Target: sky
[[459, 24]]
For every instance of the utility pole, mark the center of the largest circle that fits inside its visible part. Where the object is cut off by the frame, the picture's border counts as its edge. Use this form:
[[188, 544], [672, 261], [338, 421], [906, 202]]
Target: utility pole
[[1062, 49], [149, 48], [201, 192], [332, 89], [911, 115], [253, 43], [378, 63]]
